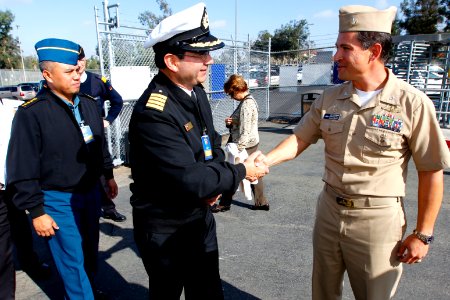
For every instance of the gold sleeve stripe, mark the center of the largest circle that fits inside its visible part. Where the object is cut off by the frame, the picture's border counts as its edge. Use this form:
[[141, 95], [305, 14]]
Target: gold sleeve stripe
[[158, 96], [155, 106]]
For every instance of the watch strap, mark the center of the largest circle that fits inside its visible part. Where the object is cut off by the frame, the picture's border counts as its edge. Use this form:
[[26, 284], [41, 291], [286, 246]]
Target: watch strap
[[426, 239]]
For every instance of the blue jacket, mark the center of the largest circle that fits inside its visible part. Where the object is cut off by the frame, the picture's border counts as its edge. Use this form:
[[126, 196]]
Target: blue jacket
[[101, 89]]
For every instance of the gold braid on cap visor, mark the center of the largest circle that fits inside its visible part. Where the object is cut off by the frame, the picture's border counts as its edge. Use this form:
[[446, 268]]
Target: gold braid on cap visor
[[205, 44]]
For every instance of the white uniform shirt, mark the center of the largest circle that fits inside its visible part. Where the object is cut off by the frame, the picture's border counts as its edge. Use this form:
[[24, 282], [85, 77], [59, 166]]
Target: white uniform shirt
[[8, 108]]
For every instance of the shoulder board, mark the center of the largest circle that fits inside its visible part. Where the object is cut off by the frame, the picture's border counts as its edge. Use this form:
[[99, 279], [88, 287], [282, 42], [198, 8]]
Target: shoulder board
[[87, 96], [104, 79], [156, 101], [30, 102]]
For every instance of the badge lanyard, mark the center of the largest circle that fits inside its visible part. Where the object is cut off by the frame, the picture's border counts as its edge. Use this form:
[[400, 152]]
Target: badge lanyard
[[88, 136], [206, 143]]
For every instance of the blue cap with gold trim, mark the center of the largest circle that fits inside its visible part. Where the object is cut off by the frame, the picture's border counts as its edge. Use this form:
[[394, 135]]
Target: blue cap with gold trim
[[186, 30], [58, 50]]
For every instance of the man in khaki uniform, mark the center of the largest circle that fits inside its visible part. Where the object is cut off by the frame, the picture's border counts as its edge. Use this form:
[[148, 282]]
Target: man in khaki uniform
[[371, 125]]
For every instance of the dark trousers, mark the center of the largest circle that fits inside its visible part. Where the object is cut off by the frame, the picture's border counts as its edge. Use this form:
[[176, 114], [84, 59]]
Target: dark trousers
[[7, 272], [180, 259], [22, 238], [108, 204]]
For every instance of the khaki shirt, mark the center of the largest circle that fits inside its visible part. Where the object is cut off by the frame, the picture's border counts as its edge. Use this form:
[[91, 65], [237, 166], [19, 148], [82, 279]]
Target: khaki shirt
[[367, 148]]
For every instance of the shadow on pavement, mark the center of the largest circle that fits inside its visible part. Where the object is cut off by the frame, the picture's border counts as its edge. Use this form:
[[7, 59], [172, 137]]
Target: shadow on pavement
[[286, 131], [232, 293]]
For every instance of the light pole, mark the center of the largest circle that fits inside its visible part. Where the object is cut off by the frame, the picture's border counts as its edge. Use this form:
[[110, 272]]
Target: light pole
[[309, 42], [21, 55], [235, 38]]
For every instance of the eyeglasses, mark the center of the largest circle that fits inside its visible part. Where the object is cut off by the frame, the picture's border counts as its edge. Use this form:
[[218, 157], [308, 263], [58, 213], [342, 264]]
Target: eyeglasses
[[201, 55]]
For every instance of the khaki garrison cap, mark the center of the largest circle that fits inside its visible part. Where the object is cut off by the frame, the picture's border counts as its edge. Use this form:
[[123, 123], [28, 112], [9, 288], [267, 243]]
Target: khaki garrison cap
[[366, 18]]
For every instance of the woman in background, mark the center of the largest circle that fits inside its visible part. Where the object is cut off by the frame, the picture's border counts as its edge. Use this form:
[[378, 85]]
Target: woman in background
[[243, 125]]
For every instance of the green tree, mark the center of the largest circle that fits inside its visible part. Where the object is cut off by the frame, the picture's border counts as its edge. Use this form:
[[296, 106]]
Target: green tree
[[262, 42], [93, 63], [396, 30], [150, 19], [444, 10], [421, 16], [9, 46], [292, 36], [31, 62]]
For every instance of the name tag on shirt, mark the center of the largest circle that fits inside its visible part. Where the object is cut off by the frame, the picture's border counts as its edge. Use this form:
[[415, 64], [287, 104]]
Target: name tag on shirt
[[332, 116], [87, 133]]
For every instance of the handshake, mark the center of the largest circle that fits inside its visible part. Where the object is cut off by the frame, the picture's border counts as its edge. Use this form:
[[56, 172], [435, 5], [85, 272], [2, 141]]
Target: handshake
[[256, 166]]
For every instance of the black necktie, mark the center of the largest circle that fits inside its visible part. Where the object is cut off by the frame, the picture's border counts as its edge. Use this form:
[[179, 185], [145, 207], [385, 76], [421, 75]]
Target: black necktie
[[193, 96]]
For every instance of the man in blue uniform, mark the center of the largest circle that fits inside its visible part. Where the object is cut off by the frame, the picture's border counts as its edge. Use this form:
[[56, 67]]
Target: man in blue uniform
[[177, 163], [101, 89], [56, 155]]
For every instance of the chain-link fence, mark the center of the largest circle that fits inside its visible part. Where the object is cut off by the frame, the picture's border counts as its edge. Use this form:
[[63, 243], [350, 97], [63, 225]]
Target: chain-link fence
[[276, 80], [277, 89], [283, 83], [14, 77]]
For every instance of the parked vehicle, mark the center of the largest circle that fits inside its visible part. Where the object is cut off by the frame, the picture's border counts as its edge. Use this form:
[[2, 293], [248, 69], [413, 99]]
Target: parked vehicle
[[274, 78], [6, 91], [35, 85], [23, 92], [299, 75], [251, 79]]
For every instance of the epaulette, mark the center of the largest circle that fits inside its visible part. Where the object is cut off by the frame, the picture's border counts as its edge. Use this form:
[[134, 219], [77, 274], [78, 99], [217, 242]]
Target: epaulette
[[156, 101], [104, 79], [87, 96], [30, 102]]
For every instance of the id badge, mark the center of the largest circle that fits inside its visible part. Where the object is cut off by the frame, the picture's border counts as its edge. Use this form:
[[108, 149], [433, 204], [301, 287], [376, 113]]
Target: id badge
[[206, 147], [87, 133]]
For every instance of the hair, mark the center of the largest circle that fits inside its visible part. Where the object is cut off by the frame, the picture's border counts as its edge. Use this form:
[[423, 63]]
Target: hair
[[81, 54], [45, 65], [370, 38], [235, 84], [161, 49]]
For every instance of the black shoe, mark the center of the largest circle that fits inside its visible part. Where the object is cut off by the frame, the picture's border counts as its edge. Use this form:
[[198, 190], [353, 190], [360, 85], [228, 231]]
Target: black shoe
[[38, 271], [220, 208], [113, 215], [100, 295], [260, 207]]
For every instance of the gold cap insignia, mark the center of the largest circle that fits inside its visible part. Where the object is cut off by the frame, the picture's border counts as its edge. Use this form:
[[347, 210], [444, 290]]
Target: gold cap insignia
[[205, 21], [156, 101]]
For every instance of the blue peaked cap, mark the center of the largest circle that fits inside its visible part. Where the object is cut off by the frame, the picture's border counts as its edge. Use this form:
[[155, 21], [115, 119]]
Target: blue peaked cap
[[58, 50]]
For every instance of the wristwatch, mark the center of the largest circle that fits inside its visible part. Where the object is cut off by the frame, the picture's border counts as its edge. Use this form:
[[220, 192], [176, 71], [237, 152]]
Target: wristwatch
[[426, 239]]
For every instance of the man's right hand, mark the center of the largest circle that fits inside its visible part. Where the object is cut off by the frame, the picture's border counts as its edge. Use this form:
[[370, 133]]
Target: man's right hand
[[45, 226], [255, 170]]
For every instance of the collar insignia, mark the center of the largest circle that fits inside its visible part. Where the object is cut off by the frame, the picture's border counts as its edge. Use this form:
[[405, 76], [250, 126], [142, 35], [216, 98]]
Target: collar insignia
[[188, 126]]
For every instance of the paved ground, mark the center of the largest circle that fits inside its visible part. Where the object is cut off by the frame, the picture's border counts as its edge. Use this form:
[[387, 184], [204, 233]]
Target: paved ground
[[263, 255]]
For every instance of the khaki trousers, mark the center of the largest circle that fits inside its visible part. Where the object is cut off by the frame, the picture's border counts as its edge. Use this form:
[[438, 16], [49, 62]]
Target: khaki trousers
[[258, 189], [362, 240]]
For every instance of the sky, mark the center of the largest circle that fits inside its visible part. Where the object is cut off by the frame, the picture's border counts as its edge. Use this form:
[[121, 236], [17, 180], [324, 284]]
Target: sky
[[75, 19]]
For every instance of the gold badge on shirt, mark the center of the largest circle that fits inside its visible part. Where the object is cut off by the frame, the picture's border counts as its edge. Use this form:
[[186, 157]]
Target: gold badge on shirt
[[188, 126]]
